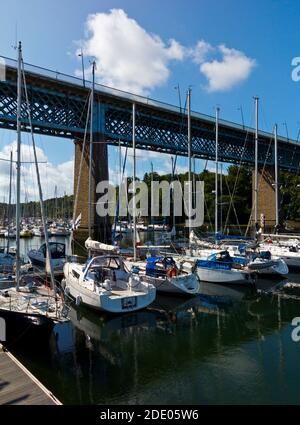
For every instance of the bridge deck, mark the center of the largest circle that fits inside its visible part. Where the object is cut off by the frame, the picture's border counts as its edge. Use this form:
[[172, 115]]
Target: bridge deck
[[58, 105]]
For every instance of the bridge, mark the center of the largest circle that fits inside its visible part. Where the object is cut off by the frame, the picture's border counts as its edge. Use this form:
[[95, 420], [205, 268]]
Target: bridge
[[59, 102]]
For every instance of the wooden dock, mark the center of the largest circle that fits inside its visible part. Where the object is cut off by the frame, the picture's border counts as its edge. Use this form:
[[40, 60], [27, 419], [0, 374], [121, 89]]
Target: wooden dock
[[18, 386]]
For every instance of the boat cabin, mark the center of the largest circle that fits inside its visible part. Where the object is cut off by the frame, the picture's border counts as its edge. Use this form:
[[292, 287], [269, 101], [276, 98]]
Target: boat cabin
[[161, 266], [57, 250]]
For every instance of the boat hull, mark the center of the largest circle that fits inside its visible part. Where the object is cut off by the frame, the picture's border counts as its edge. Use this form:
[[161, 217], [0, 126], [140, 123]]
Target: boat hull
[[112, 301], [40, 262], [279, 268], [179, 285], [224, 276], [20, 326]]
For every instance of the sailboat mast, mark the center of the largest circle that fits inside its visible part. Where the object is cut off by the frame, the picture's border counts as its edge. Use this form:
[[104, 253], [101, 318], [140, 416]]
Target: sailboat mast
[[256, 164], [190, 160], [56, 208], [9, 200], [276, 179], [133, 183], [216, 170], [18, 167], [172, 191], [91, 151], [44, 220], [221, 198]]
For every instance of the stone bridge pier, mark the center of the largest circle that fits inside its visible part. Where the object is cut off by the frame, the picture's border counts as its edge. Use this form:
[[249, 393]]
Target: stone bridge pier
[[101, 228], [266, 198]]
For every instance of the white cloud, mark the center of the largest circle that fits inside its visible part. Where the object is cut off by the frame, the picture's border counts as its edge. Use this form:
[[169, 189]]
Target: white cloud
[[200, 51], [127, 56], [60, 175], [232, 69], [132, 59]]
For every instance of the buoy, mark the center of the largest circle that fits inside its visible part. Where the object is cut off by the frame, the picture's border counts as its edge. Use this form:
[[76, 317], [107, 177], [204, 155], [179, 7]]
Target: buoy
[[78, 300]]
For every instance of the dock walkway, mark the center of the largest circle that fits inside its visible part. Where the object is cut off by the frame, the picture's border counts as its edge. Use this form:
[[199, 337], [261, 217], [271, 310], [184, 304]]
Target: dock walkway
[[19, 386]]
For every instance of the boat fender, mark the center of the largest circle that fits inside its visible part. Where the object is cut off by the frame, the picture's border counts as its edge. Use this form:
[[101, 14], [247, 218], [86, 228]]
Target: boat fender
[[134, 281], [78, 300], [63, 284], [172, 272], [106, 285], [67, 290]]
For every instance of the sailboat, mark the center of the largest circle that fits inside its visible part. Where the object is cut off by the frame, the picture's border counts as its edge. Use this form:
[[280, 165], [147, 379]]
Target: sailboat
[[166, 275], [218, 266], [277, 245], [25, 307], [104, 282], [163, 271], [242, 267]]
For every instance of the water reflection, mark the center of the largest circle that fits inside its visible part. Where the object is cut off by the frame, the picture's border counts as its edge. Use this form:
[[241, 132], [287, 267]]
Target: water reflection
[[228, 345]]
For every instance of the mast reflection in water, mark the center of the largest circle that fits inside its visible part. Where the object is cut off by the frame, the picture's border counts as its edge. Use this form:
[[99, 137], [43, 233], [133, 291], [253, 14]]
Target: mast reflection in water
[[228, 345]]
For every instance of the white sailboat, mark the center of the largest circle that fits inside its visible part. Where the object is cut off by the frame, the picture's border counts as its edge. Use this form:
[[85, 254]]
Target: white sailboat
[[22, 306], [103, 282], [287, 250], [217, 266], [166, 275], [256, 261], [162, 271]]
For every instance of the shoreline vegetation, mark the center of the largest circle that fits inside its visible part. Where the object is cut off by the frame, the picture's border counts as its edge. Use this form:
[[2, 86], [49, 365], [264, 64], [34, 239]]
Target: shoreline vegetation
[[236, 177]]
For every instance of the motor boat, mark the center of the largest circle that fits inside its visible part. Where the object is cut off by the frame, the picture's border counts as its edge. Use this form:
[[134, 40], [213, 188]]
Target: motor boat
[[38, 257]]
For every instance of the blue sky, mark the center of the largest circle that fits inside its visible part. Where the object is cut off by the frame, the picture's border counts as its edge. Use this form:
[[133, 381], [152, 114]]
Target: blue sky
[[266, 33]]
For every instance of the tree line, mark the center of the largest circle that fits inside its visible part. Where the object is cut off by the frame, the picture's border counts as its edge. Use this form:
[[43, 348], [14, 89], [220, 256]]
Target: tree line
[[235, 197]]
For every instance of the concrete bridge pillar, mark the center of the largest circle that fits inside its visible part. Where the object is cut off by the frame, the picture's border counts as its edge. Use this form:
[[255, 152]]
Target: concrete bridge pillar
[[266, 197], [101, 229]]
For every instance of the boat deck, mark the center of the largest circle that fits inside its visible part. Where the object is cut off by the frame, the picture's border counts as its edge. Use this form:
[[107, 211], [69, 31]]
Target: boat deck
[[18, 386]]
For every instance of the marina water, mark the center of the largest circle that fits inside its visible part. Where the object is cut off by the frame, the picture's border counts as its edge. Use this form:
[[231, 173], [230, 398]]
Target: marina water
[[229, 345]]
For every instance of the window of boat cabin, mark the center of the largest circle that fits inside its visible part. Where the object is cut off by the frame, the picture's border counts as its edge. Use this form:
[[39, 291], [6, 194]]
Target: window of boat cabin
[[110, 262], [113, 263]]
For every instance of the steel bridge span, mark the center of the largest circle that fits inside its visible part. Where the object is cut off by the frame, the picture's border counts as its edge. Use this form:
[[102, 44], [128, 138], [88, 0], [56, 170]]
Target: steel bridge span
[[59, 102]]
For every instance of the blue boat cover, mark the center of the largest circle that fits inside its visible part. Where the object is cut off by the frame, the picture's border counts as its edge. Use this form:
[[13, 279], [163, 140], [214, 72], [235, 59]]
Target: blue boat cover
[[151, 268]]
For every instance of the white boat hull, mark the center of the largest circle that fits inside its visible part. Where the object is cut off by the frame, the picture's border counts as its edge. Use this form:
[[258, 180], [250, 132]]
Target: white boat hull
[[279, 268], [112, 301], [185, 284], [224, 276]]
